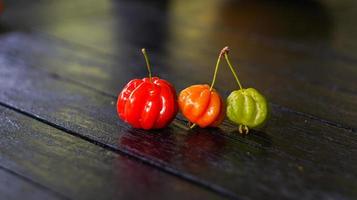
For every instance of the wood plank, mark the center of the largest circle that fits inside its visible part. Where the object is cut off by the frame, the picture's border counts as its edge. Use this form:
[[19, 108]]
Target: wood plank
[[318, 84], [76, 168], [172, 25], [337, 107], [14, 187], [301, 158], [78, 21]]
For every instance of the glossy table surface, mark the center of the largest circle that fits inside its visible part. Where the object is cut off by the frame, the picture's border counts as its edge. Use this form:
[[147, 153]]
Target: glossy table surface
[[62, 64]]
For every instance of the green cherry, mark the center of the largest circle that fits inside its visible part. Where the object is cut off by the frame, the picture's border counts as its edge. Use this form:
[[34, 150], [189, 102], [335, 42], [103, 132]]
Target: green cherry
[[245, 107]]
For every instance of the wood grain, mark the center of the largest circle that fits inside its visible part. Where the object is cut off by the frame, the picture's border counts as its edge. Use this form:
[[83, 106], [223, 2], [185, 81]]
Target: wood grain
[[14, 187], [296, 155], [63, 62], [305, 79], [84, 67], [75, 169]]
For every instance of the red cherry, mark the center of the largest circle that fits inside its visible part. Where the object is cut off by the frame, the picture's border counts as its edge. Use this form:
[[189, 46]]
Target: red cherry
[[148, 103]]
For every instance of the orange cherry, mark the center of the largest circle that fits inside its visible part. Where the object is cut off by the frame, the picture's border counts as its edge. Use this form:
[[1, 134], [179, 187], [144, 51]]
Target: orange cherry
[[201, 104]]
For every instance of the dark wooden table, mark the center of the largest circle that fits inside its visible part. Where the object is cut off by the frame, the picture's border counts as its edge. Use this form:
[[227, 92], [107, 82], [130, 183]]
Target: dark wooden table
[[62, 64]]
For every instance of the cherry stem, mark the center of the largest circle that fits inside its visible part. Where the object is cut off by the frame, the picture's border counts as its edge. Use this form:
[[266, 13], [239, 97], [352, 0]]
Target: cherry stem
[[216, 68], [193, 126], [143, 50], [225, 51], [243, 129], [214, 76]]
